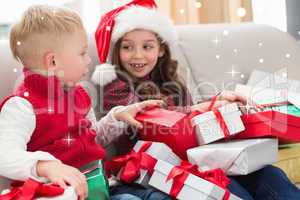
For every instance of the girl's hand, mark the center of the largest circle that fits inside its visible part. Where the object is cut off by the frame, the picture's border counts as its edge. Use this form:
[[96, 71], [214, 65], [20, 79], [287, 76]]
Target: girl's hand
[[63, 175], [127, 113], [203, 107], [227, 97]]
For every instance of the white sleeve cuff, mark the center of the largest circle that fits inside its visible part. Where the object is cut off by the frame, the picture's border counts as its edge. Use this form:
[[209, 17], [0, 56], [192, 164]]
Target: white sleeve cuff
[[38, 156]]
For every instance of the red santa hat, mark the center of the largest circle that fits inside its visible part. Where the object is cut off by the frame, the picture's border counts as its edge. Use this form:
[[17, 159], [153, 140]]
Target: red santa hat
[[138, 14]]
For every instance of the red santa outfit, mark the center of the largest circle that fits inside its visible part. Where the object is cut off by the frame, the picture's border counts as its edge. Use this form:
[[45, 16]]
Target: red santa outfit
[[43, 121]]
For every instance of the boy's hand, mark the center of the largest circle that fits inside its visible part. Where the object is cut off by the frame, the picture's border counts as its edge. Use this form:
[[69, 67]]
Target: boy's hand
[[63, 175], [127, 113]]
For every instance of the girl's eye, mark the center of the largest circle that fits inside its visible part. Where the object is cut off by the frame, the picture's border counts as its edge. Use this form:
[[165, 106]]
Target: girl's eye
[[147, 47], [83, 53], [126, 47]]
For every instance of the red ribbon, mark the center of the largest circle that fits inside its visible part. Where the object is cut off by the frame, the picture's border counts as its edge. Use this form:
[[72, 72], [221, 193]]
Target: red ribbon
[[31, 189], [180, 173], [131, 164], [218, 115]]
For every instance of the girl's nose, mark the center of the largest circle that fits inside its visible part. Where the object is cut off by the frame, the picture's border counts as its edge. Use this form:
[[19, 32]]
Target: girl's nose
[[138, 53]]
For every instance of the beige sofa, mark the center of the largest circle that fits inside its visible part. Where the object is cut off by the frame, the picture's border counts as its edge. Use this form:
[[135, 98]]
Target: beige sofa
[[207, 54]]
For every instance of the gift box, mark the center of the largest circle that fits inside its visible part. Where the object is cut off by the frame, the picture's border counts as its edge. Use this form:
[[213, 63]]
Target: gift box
[[271, 123], [138, 166], [276, 80], [218, 123], [287, 109], [169, 127], [262, 95], [186, 185], [97, 184], [159, 151], [32, 189], [69, 194], [236, 157]]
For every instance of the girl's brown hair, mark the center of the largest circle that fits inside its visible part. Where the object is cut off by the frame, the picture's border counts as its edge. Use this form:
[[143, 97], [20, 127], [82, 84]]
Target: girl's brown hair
[[164, 80]]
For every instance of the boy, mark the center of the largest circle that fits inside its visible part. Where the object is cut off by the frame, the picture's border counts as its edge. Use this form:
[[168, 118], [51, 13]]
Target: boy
[[48, 129]]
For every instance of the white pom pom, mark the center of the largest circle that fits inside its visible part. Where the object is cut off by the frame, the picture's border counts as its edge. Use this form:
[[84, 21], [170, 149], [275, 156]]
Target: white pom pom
[[104, 74]]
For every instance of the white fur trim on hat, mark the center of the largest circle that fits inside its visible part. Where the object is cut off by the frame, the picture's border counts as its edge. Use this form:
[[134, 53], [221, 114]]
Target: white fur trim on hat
[[137, 17], [104, 74]]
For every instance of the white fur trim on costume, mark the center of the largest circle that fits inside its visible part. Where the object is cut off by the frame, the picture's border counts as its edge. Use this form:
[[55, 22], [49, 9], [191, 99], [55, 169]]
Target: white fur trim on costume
[[137, 17], [104, 74]]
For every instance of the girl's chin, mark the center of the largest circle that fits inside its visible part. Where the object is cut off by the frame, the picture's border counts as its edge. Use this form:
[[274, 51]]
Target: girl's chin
[[139, 74]]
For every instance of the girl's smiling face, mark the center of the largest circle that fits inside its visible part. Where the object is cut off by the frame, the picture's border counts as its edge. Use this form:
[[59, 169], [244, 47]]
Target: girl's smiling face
[[139, 52]]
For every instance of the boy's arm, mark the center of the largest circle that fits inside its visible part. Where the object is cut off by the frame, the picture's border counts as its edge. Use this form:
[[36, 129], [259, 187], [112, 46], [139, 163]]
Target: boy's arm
[[108, 128], [17, 123]]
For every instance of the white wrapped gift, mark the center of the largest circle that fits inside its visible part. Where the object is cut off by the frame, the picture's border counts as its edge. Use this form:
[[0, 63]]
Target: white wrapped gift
[[194, 188], [159, 151], [263, 95], [208, 128], [69, 194], [276, 80], [237, 157]]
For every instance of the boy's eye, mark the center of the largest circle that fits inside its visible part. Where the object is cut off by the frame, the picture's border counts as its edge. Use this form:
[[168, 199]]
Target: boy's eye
[[83, 53]]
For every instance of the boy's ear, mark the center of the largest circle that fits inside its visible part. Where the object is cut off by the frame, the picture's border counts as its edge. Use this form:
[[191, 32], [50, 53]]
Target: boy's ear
[[49, 60]]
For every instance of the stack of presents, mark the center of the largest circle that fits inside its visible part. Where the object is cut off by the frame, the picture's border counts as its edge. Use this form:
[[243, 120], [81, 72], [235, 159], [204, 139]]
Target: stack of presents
[[189, 156]]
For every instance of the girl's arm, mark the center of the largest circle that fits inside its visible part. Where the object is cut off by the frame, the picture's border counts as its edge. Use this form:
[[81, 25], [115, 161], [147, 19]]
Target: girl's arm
[[17, 123], [114, 123], [108, 128]]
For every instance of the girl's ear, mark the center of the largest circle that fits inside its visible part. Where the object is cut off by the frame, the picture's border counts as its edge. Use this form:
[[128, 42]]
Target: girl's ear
[[161, 52]]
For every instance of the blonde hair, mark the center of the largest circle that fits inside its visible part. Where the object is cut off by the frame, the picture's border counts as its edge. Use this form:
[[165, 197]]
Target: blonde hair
[[40, 29]]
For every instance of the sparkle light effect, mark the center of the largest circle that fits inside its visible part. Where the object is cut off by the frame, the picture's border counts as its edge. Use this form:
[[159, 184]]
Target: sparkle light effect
[[50, 110], [181, 11], [216, 41], [218, 57], [225, 32], [26, 94], [108, 28], [18, 43], [198, 4], [287, 55], [248, 107], [15, 70], [235, 50], [68, 139], [260, 44], [233, 72], [261, 60], [241, 12], [284, 75]]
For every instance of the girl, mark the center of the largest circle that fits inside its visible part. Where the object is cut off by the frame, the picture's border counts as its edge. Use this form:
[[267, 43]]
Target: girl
[[139, 39]]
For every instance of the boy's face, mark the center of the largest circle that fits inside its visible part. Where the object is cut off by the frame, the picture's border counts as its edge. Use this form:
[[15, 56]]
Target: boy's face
[[139, 52], [72, 60]]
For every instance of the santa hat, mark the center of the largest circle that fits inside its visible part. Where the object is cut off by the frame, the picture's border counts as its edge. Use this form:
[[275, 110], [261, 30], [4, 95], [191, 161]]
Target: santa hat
[[138, 14]]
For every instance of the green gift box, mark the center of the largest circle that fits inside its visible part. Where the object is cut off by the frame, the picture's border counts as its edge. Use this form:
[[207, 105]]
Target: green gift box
[[287, 109], [98, 188]]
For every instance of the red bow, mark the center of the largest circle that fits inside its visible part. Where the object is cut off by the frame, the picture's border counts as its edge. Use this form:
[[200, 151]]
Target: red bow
[[132, 163], [180, 173], [31, 189], [218, 115]]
